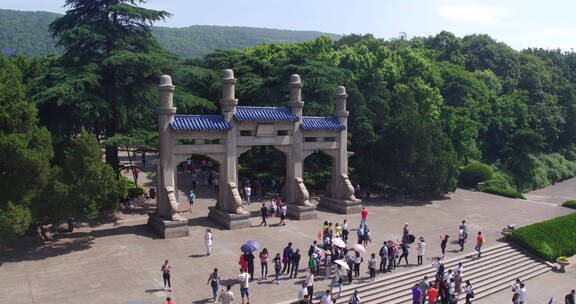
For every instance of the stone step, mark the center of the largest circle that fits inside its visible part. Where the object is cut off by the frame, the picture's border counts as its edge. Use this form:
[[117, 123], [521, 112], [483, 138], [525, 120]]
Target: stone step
[[418, 273], [503, 274], [517, 259], [483, 287]]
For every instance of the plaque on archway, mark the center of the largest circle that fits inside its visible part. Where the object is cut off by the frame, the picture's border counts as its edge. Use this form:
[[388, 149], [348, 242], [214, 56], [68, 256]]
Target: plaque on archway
[[224, 137]]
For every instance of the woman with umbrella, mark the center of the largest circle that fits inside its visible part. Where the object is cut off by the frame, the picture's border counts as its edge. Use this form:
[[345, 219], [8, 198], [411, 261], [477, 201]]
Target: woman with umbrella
[[338, 276], [247, 258]]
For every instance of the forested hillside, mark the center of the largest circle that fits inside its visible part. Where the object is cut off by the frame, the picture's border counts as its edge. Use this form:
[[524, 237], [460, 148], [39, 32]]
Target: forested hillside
[[27, 33], [426, 114]]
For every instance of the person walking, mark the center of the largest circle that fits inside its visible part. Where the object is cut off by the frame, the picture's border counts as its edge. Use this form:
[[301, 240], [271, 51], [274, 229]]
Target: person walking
[[248, 193], [214, 281], [360, 233], [357, 261], [515, 288], [364, 216], [372, 266], [264, 263], [391, 256], [166, 270], [309, 281], [295, 263], [470, 292], [461, 238], [405, 233], [249, 258], [416, 295], [569, 299], [208, 241], [354, 299], [522, 294], [443, 242], [404, 254], [227, 297], [283, 211], [338, 279], [302, 293], [244, 279], [264, 215], [277, 267], [421, 249], [480, 241], [432, 294], [383, 256], [424, 286], [345, 231], [287, 257], [465, 229], [366, 236], [326, 298], [191, 196]]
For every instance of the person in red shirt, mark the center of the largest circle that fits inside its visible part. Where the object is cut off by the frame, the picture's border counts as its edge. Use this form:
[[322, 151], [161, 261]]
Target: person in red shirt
[[432, 294], [168, 300], [479, 242], [364, 214]]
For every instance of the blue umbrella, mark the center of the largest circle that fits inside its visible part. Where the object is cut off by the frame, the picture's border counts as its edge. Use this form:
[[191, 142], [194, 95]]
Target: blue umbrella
[[250, 246]]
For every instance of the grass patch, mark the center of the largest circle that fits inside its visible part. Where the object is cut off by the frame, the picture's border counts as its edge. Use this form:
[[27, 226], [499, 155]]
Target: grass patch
[[549, 239], [502, 192], [570, 204]]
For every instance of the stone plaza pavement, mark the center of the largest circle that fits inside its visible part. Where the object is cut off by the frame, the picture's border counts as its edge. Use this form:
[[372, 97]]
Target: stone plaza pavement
[[119, 261]]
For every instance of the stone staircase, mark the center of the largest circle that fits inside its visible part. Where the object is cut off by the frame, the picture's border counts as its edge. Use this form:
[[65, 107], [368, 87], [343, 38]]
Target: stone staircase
[[495, 271]]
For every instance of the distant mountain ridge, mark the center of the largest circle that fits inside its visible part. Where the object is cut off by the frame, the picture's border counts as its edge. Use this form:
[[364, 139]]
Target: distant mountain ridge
[[27, 33]]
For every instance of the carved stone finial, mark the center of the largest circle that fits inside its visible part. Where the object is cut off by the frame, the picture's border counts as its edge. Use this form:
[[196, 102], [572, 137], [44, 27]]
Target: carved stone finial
[[228, 74], [165, 80], [341, 90]]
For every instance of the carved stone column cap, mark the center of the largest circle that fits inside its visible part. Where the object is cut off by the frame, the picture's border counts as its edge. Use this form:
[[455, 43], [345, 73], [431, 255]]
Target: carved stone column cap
[[166, 83]]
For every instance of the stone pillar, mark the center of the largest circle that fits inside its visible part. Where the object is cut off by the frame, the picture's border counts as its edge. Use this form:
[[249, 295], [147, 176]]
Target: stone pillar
[[228, 210], [166, 220], [340, 193], [295, 192]]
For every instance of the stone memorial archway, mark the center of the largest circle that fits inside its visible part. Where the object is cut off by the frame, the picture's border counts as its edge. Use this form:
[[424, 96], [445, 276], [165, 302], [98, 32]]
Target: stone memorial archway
[[224, 137]]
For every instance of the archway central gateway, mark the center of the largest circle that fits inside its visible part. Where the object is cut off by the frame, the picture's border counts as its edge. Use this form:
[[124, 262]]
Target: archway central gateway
[[224, 137]]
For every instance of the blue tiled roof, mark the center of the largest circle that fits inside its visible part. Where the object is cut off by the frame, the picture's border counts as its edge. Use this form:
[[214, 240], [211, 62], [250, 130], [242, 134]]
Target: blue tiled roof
[[321, 123], [264, 114], [200, 122]]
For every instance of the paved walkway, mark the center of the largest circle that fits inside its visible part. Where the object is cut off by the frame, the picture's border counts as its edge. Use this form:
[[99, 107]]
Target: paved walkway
[[119, 261], [555, 194]]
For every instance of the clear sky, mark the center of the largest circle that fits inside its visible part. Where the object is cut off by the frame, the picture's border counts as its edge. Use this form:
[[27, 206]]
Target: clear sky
[[519, 23]]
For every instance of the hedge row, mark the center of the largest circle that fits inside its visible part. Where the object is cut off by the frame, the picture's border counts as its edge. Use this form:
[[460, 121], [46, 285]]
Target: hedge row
[[502, 192], [549, 239], [570, 204]]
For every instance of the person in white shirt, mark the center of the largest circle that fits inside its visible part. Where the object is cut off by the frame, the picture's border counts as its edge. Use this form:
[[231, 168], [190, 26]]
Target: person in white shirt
[[208, 241], [326, 298], [521, 294], [338, 279], [247, 193], [244, 279], [227, 297], [515, 288], [461, 238], [459, 269], [448, 275], [302, 292], [421, 249], [309, 281]]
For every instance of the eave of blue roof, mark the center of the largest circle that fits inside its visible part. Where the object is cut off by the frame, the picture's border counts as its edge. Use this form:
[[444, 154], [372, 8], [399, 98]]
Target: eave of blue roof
[[321, 123], [200, 122], [264, 114]]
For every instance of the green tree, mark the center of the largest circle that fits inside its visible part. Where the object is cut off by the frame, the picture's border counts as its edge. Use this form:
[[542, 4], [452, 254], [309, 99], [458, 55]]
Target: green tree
[[104, 81]]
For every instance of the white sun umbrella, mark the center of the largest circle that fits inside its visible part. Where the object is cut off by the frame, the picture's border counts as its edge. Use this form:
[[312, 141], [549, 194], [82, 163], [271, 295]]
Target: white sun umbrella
[[359, 248], [343, 264], [338, 242]]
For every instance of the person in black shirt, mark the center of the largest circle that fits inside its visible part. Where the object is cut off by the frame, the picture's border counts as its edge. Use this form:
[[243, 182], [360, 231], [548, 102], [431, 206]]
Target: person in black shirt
[[295, 262], [264, 213], [287, 258], [249, 258], [569, 299]]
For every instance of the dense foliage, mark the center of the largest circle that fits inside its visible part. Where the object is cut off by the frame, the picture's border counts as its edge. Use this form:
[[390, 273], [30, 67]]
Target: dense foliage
[[419, 109], [549, 239], [474, 173], [27, 33], [502, 192]]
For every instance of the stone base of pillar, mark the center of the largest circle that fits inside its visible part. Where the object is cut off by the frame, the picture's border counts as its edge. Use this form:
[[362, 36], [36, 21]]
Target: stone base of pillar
[[340, 206], [302, 212], [229, 220], [168, 228]]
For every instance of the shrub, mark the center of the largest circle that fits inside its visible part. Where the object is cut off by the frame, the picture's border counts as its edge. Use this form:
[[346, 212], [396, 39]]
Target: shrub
[[14, 221], [570, 204], [135, 191], [474, 173], [549, 239], [502, 192]]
